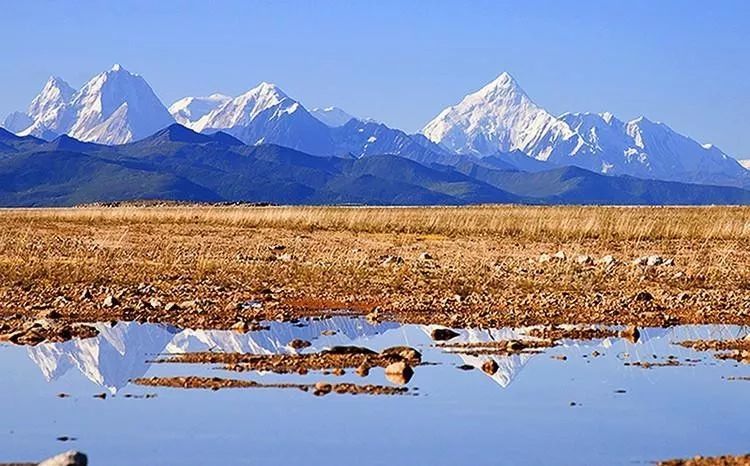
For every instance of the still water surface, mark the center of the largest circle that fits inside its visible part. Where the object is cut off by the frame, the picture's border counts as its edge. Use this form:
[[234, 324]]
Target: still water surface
[[521, 415]]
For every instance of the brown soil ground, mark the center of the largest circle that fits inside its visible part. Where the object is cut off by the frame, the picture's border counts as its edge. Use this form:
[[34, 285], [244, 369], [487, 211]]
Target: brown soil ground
[[338, 357], [213, 267], [710, 461], [739, 350], [318, 389]]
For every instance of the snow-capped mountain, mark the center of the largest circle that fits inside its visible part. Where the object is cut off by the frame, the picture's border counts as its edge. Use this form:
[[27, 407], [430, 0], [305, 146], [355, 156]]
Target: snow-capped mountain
[[500, 117], [114, 107], [265, 114], [331, 116], [49, 107], [188, 110], [647, 149]]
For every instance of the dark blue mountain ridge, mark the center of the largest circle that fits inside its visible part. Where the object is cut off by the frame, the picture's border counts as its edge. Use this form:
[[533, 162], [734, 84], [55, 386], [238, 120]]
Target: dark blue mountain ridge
[[177, 163]]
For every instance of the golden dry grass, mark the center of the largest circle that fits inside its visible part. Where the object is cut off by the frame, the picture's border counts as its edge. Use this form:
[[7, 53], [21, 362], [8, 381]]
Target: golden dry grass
[[523, 222], [485, 267]]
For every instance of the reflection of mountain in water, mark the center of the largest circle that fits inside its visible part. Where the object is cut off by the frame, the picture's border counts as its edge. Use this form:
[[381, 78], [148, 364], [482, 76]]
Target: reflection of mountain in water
[[120, 352], [509, 366]]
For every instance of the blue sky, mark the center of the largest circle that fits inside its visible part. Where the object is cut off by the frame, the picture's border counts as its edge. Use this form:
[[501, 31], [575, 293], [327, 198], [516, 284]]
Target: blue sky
[[686, 63]]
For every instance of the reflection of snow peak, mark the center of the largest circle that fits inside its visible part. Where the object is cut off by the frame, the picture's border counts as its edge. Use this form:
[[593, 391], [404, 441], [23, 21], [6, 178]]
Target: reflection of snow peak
[[509, 366], [121, 352], [111, 358]]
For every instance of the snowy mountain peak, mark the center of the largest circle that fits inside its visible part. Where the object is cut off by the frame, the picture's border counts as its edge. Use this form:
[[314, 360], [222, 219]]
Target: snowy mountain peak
[[503, 84], [113, 107], [243, 109], [498, 117], [116, 107], [48, 106]]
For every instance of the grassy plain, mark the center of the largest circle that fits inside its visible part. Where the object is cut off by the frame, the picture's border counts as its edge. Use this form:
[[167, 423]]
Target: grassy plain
[[452, 265]]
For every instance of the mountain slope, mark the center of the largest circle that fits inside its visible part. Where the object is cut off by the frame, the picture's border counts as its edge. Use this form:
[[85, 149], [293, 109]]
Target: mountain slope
[[331, 116], [178, 163]]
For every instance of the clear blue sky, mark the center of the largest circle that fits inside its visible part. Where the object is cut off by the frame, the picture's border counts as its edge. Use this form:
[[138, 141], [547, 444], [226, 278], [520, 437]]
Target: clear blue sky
[[686, 63]]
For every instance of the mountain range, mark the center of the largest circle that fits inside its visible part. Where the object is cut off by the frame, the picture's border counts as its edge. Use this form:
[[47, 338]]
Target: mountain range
[[113, 139]]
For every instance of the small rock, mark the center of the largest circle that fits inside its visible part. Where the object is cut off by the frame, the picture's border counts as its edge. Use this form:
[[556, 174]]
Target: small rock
[[363, 370], [154, 303], [50, 314], [544, 257], [405, 353], [286, 257], [514, 345], [86, 294], [668, 263], [277, 247], [60, 301], [192, 304], [560, 256], [298, 343], [465, 367], [241, 326], [653, 261], [643, 296], [391, 260], [608, 260], [172, 307], [425, 256], [348, 350], [252, 304], [630, 333], [399, 373], [322, 388], [373, 316], [443, 334], [490, 367], [69, 458], [640, 261], [102, 395], [110, 301], [328, 333], [583, 259], [338, 372], [684, 296]]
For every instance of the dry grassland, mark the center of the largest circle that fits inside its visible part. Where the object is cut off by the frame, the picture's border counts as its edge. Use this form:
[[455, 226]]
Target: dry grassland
[[218, 266]]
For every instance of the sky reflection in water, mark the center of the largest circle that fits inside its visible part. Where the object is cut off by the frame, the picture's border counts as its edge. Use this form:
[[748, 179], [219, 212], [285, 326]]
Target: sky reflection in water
[[521, 415]]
